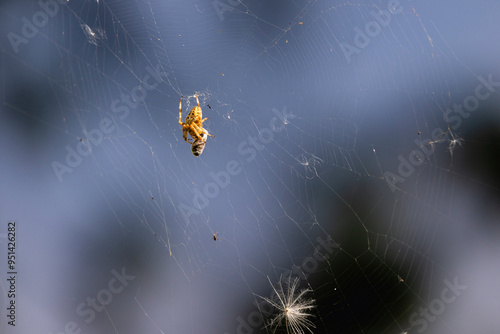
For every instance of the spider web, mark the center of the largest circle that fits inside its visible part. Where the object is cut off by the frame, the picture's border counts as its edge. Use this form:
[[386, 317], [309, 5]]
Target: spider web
[[336, 159]]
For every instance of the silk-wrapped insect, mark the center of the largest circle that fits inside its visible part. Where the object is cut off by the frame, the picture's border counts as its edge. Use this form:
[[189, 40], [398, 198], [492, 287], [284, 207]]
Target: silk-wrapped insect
[[199, 145]]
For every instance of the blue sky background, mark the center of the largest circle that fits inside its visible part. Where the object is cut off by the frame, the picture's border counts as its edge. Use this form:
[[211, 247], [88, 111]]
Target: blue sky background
[[297, 179]]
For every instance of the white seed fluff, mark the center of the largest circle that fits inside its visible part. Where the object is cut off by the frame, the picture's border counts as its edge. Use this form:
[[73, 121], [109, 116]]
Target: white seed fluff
[[292, 306]]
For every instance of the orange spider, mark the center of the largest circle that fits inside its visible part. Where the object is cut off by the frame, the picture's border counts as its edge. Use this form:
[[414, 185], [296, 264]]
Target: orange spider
[[194, 123]]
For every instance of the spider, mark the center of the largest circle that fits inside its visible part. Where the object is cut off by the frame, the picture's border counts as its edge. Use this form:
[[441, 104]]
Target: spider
[[193, 124], [216, 236]]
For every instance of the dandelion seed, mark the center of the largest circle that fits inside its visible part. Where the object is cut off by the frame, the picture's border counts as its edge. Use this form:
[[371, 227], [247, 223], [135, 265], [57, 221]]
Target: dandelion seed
[[292, 306]]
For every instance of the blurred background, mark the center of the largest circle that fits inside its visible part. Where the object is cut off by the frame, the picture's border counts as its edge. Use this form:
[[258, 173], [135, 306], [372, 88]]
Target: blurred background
[[355, 149]]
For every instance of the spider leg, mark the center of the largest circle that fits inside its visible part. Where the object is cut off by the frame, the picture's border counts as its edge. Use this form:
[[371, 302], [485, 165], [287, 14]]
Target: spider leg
[[203, 120], [201, 130], [197, 101], [184, 134], [196, 131], [180, 114]]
